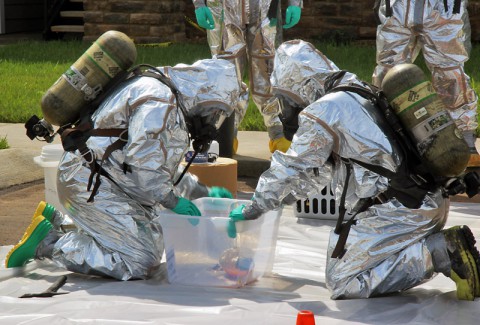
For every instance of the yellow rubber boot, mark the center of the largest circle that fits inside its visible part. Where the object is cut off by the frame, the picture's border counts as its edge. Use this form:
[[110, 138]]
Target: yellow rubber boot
[[465, 261], [44, 209], [235, 145], [280, 144], [24, 251]]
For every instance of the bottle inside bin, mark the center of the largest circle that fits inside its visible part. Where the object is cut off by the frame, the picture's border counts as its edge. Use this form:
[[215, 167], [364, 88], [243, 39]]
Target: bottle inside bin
[[235, 265]]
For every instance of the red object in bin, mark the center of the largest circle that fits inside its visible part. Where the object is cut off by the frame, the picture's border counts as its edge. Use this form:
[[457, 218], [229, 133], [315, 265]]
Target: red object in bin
[[305, 317]]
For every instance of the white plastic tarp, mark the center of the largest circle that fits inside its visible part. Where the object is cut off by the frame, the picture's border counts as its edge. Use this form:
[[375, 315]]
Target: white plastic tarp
[[297, 283]]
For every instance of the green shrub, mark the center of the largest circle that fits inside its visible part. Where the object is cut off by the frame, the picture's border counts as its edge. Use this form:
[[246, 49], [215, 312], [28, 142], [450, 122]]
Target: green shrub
[[4, 143]]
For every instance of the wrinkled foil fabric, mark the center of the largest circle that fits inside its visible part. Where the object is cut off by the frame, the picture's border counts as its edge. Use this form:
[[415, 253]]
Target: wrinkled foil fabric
[[444, 39], [116, 236], [248, 41], [214, 36], [301, 72], [386, 249]]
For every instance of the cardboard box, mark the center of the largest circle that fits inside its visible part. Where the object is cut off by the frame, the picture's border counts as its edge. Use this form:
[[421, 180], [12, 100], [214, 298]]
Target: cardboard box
[[222, 172]]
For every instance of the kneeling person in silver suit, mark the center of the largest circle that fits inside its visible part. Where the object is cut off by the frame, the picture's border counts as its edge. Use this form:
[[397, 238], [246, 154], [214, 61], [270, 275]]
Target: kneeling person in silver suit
[[116, 234], [392, 244]]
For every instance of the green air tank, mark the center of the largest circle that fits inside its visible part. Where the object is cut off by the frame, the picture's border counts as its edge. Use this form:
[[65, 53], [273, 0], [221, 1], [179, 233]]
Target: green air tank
[[111, 53], [425, 117]]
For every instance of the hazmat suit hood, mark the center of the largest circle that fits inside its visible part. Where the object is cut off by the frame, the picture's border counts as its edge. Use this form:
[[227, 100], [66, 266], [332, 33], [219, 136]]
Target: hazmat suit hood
[[207, 89], [302, 75], [301, 72]]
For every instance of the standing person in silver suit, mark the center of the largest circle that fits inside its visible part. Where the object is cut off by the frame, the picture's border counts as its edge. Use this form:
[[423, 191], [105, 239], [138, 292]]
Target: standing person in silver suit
[[214, 24], [390, 246], [441, 30], [117, 235], [248, 39]]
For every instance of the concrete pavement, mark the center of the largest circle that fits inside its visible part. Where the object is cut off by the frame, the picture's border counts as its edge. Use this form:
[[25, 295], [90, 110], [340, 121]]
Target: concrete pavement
[[17, 166], [22, 183]]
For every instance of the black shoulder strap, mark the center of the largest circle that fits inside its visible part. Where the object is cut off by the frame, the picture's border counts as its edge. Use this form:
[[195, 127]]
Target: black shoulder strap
[[379, 100], [405, 185], [412, 181], [74, 136], [97, 169], [200, 135], [343, 228]]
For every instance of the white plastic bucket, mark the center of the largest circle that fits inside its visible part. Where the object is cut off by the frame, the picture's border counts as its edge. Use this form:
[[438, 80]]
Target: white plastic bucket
[[49, 160]]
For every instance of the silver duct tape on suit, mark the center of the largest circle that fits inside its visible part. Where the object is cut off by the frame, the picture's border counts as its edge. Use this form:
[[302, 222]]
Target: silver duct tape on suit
[[444, 38], [116, 234], [388, 239]]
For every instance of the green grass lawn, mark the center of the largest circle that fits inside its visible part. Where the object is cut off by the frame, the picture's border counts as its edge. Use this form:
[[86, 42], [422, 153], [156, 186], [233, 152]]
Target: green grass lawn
[[27, 70]]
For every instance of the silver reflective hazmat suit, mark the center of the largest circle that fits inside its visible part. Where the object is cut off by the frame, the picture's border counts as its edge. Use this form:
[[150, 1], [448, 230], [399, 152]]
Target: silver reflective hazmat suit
[[249, 40], [214, 36], [441, 30], [390, 247], [116, 236]]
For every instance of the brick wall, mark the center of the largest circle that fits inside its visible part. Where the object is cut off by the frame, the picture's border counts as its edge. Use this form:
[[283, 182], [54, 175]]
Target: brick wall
[[474, 12], [148, 21], [351, 18], [335, 18]]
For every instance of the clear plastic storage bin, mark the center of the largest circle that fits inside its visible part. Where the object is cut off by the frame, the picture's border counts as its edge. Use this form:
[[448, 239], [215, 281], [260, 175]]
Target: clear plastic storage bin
[[199, 251]]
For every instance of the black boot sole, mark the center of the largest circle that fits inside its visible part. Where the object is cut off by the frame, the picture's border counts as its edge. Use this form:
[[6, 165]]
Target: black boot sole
[[469, 241]]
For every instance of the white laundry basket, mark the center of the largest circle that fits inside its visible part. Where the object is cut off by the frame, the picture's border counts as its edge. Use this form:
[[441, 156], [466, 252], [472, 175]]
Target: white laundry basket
[[318, 206]]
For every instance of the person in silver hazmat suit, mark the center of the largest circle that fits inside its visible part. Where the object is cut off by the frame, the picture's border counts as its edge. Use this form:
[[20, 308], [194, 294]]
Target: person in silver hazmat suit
[[390, 247], [117, 235], [215, 27], [441, 30], [248, 38]]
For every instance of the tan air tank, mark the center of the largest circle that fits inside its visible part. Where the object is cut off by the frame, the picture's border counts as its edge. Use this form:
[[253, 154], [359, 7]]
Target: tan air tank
[[111, 53], [423, 114]]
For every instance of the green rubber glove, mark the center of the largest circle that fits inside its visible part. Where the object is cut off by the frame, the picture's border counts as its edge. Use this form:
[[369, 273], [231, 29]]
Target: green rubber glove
[[292, 16], [220, 192], [205, 18], [186, 207], [235, 215]]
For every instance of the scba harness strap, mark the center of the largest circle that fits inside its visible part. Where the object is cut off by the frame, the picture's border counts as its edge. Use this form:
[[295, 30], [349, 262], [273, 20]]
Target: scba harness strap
[[74, 136], [75, 139], [409, 185], [412, 181]]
